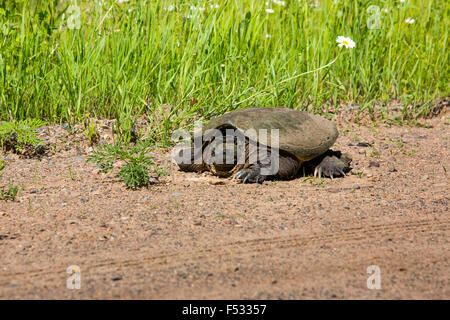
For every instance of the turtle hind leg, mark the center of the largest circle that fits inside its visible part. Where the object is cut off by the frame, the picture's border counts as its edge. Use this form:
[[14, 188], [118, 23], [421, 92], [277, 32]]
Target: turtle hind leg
[[331, 164]]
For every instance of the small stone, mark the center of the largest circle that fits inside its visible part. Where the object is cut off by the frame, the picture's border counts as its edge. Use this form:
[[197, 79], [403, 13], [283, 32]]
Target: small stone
[[347, 207], [274, 281], [368, 173], [373, 163], [356, 172], [176, 194], [197, 223], [364, 144], [153, 180], [392, 169], [103, 225], [356, 186], [116, 278], [146, 198]]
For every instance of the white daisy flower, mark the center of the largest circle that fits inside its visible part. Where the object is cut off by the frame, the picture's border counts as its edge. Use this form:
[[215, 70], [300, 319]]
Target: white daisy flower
[[385, 10], [410, 20], [270, 10], [268, 36], [280, 3], [402, 1], [344, 41], [170, 8]]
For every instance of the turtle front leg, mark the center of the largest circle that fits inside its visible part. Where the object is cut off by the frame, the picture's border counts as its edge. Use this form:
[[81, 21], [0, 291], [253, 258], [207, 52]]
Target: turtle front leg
[[287, 169], [332, 164]]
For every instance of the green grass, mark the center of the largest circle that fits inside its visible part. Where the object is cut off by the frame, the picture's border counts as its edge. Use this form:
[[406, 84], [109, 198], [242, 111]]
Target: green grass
[[122, 64]]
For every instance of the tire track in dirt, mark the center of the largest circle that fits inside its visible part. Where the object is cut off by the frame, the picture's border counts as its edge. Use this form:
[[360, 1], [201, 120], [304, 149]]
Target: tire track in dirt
[[246, 247]]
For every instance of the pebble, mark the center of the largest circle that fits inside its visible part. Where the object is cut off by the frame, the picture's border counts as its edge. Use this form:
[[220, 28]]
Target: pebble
[[146, 198], [356, 186], [176, 194], [392, 169], [364, 144], [116, 278], [197, 223], [374, 164]]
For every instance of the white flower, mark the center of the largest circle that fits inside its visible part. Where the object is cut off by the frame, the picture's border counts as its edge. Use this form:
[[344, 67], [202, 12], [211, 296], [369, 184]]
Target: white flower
[[344, 41], [410, 20], [169, 8], [280, 3], [212, 6], [268, 36], [385, 10], [402, 1], [122, 1], [270, 10]]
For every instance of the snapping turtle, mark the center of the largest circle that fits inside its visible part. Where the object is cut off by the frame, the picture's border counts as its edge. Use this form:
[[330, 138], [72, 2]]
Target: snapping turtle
[[232, 145]]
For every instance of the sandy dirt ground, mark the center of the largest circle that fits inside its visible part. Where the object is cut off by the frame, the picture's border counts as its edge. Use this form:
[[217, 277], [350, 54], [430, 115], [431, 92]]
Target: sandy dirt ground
[[194, 236]]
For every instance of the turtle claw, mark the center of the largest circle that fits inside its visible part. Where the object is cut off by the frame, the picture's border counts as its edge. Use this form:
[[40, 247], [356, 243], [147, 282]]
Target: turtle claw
[[331, 166], [250, 175], [318, 172]]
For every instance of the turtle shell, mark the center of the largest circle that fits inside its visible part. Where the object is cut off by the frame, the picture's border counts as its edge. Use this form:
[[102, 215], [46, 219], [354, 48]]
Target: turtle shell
[[302, 134]]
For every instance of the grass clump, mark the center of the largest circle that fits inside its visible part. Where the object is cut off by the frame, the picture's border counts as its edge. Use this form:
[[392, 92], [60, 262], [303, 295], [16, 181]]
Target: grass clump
[[19, 135], [8, 192], [135, 172]]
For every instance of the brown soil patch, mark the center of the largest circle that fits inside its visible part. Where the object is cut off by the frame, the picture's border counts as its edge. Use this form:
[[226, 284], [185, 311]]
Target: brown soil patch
[[198, 237]]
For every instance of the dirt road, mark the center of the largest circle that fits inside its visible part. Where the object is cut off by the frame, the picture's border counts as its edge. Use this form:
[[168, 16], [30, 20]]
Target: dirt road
[[198, 237]]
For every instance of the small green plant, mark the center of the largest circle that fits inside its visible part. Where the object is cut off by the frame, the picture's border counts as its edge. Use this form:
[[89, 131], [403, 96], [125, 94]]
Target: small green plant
[[9, 192], [135, 172], [17, 135], [90, 131], [2, 164]]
